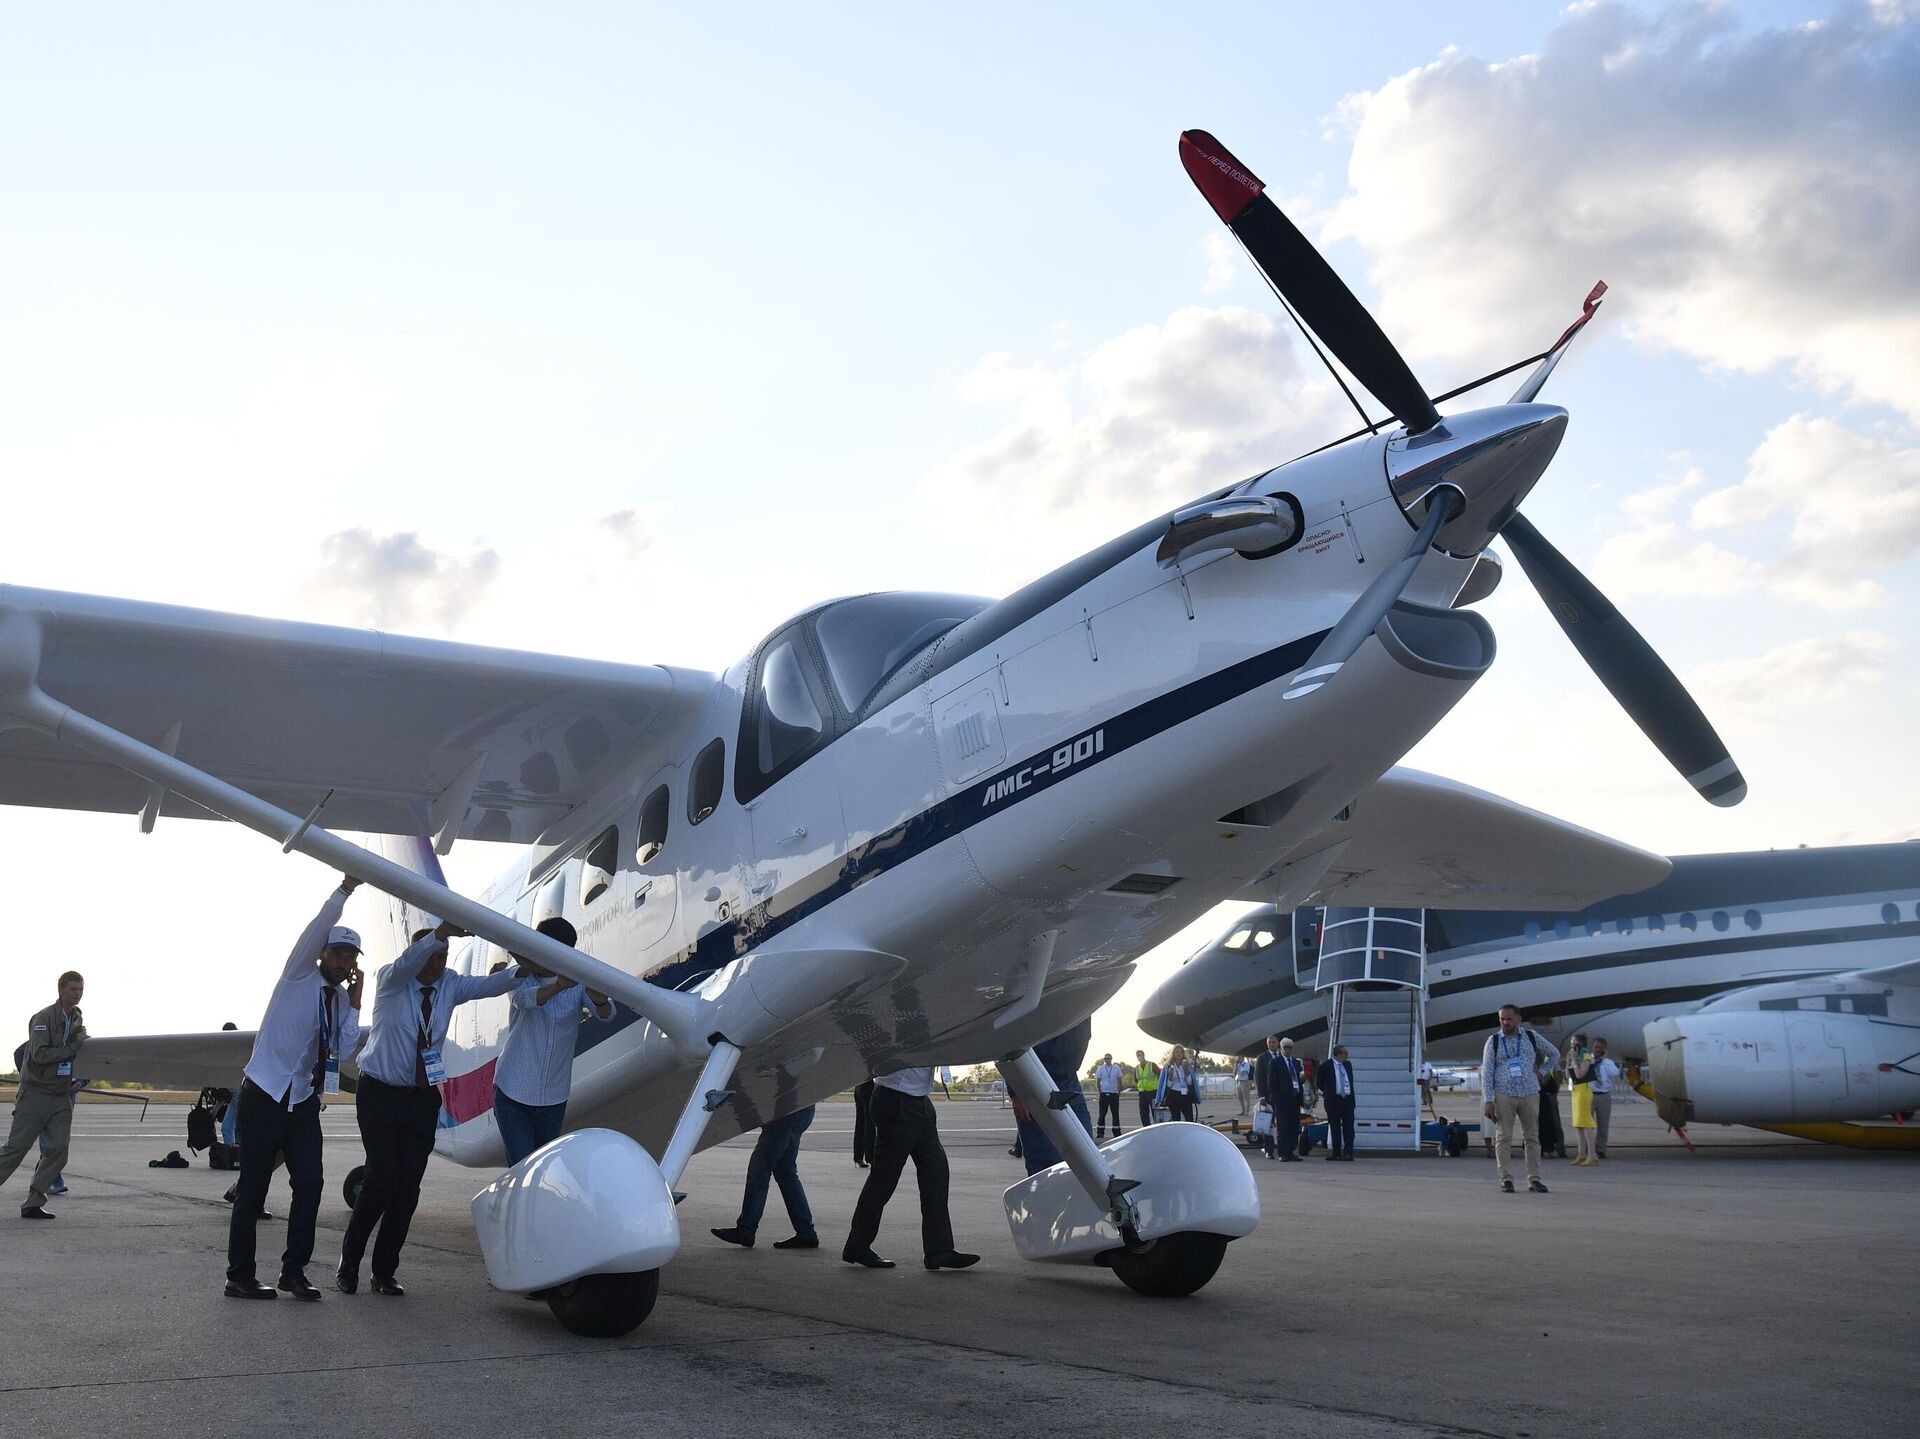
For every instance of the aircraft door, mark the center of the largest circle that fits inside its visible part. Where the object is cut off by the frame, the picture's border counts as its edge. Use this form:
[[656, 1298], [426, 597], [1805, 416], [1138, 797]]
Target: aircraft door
[[795, 832], [656, 888]]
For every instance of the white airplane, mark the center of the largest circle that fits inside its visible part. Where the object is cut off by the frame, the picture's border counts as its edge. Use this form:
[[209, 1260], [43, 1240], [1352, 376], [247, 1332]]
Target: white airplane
[[905, 829], [1695, 975]]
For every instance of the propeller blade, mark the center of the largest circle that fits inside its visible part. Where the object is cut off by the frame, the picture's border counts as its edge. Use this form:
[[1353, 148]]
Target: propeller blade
[[1308, 282], [1363, 616], [1627, 665], [1529, 390]]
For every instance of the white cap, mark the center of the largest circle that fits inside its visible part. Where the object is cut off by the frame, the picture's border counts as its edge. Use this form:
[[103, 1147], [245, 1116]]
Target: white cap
[[340, 934]]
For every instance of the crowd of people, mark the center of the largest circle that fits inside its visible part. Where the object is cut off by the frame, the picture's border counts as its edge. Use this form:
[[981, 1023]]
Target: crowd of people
[[312, 1026]]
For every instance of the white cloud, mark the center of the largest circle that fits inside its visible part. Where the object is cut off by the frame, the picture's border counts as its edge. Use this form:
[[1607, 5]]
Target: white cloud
[[394, 582], [1829, 509], [1650, 504], [1660, 559], [1751, 197], [1795, 675], [1158, 414]]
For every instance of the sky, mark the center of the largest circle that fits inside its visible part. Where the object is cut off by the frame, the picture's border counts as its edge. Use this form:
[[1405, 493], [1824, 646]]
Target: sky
[[626, 330]]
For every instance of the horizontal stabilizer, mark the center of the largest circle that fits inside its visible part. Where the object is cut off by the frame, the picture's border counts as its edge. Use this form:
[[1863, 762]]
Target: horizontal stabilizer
[[171, 1061]]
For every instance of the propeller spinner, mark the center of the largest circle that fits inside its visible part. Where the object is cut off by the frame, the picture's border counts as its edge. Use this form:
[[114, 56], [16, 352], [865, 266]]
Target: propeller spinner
[[1461, 478]]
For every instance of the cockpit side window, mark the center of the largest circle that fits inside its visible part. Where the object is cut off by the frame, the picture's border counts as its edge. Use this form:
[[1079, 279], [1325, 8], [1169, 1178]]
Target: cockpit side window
[[788, 715]]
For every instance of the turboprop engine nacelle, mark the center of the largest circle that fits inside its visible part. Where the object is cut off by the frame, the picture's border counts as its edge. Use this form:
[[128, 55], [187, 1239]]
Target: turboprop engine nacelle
[[1773, 1067]]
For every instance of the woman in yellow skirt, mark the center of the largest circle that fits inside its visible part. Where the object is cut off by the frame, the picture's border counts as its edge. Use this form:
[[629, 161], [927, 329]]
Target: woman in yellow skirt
[[1580, 1076]]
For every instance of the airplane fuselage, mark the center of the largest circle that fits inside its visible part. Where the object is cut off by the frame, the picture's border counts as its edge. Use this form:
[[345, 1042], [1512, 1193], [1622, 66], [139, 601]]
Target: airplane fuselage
[[1050, 782], [1718, 923]]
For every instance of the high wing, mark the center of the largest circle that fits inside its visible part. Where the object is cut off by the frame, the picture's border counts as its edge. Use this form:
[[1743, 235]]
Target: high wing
[[411, 736], [1905, 974], [173, 1061], [1417, 840]]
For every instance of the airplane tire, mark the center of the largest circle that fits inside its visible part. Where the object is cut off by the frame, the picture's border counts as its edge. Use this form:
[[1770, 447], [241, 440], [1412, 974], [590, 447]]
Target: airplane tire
[[1171, 1266], [350, 1186], [604, 1306]]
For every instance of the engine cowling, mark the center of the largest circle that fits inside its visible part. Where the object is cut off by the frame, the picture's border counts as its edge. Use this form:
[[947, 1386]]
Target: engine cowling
[[1750, 1067]]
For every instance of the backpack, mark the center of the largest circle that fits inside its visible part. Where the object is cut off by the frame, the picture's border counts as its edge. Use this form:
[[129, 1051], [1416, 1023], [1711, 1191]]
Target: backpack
[[200, 1130]]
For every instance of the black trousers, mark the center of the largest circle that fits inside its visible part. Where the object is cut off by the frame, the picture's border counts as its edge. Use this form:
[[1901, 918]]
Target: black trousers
[[1179, 1106], [268, 1129], [904, 1128], [1339, 1124], [1109, 1104], [1146, 1107], [863, 1121], [1286, 1125], [396, 1126]]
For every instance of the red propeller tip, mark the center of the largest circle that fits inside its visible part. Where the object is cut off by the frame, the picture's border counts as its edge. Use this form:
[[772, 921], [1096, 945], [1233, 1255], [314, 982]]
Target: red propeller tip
[[1226, 184]]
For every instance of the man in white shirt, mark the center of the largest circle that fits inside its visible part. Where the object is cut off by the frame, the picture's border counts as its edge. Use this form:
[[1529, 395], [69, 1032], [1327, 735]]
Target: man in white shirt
[[1606, 1074], [398, 1106], [1106, 1079], [312, 1023], [534, 1077], [1243, 1083], [904, 1127]]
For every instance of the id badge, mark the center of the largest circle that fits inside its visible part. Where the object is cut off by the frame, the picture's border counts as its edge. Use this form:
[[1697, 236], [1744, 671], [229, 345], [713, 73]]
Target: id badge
[[430, 1061], [1515, 1069], [64, 1069], [332, 1085]]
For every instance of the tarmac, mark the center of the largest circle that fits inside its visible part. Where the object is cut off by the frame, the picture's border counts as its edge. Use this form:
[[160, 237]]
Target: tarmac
[[1759, 1287]]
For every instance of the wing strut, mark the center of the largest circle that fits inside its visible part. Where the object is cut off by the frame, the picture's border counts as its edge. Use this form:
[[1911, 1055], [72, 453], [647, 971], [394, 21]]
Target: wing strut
[[686, 1019]]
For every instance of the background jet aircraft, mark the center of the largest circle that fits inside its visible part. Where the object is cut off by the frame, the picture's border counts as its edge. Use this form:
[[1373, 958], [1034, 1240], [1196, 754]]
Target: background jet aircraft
[[1667, 974]]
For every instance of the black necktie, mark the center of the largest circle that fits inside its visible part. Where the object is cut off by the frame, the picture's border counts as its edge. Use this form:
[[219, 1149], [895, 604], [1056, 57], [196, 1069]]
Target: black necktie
[[420, 1040], [326, 1038]]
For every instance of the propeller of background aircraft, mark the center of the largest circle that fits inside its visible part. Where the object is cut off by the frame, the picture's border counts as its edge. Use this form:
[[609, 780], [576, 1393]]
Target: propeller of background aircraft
[[1616, 653]]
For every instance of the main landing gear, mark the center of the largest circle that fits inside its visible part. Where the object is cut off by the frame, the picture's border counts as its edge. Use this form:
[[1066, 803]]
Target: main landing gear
[[1158, 1206], [587, 1222]]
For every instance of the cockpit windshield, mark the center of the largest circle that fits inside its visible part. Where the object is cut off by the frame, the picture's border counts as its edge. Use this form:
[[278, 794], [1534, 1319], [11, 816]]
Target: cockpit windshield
[[866, 639]]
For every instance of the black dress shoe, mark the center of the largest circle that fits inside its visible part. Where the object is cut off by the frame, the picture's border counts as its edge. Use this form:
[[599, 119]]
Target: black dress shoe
[[346, 1280], [1506, 1186], [249, 1289], [865, 1258], [798, 1241], [952, 1259], [735, 1235], [1534, 1186], [40, 1213], [299, 1286], [389, 1287], [859, 1164]]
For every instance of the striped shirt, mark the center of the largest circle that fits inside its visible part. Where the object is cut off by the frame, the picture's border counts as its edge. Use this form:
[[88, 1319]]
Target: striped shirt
[[536, 1064]]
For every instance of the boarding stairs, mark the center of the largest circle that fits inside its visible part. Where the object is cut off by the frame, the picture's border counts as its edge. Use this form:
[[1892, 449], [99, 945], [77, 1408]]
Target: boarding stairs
[[1372, 965]]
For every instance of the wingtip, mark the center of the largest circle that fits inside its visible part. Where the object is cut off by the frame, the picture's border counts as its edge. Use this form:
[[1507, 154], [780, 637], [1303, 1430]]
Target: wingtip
[[1227, 185]]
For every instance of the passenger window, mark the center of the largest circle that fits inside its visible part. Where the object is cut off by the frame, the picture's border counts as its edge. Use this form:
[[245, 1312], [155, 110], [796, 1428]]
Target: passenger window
[[1561, 929], [602, 860], [652, 837], [1720, 921], [1890, 913], [789, 720], [1531, 929], [1657, 923], [1752, 918], [1623, 926], [1688, 922], [707, 782]]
